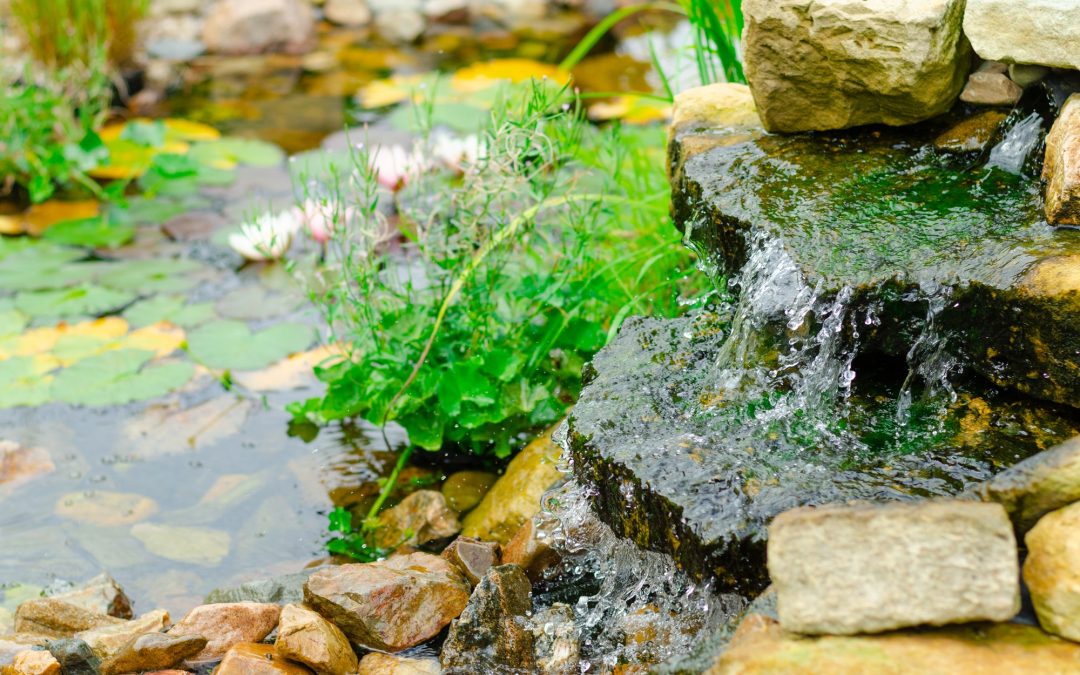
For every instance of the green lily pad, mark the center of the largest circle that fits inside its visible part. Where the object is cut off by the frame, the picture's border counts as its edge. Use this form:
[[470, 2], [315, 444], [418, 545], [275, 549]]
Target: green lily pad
[[22, 382], [256, 302], [320, 165], [12, 321], [460, 117], [118, 377], [66, 302], [169, 308], [24, 277], [227, 151], [95, 232], [152, 276], [230, 345], [155, 210]]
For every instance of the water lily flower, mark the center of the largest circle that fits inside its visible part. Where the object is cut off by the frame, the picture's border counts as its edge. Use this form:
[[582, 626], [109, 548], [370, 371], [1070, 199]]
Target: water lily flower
[[394, 166], [268, 237], [457, 152], [318, 216]]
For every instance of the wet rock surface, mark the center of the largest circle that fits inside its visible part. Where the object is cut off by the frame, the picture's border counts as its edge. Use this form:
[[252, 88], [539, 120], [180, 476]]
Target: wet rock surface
[[835, 64], [493, 633], [153, 651], [515, 497], [377, 663], [284, 589], [75, 657], [530, 552], [556, 641], [32, 662], [227, 624], [55, 617], [392, 604], [108, 640], [973, 134], [1061, 170], [1043, 32], [100, 594], [464, 489], [306, 637], [895, 227], [1052, 571], [247, 658], [868, 568]]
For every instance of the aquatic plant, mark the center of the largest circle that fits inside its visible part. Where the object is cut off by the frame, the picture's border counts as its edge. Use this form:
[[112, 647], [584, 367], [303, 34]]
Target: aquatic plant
[[268, 236], [64, 34]]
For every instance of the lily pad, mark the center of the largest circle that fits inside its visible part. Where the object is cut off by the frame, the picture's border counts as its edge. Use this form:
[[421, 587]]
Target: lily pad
[[320, 165], [24, 381], [24, 276], [12, 321], [95, 232], [77, 301], [230, 345], [169, 308], [228, 152], [118, 377], [256, 302], [152, 276], [155, 210]]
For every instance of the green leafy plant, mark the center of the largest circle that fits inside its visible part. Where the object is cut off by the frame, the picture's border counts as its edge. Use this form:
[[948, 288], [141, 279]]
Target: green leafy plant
[[473, 332], [62, 34]]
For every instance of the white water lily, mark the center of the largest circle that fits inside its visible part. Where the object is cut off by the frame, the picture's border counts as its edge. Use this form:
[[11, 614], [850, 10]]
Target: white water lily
[[457, 152], [268, 237], [394, 166]]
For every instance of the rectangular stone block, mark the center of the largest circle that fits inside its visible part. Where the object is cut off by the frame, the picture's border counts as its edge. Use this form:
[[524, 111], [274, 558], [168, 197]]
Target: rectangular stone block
[[1042, 32], [868, 568]]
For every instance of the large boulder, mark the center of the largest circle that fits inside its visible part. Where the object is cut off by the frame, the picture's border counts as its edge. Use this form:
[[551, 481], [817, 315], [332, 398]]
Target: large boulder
[[761, 648], [1043, 32], [1061, 169], [392, 604], [834, 64], [1052, 571], [493, 634], [868, 568], [253, 26], [1038, 485]]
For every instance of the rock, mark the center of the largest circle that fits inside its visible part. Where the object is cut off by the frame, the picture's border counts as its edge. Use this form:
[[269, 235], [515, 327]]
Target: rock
[[100, 594], [493, 634], [392, 604], [835, 64], [9, 650], [724, 104], [424, 514], [196, 545], [513, 13], [761, 648], [253, 26], [530, 552], [1061, 169], [515, 497], [32, 662], [19, 465], [255, 659], [464, 489], [556, 641], [172, 49], [991, 89], [377, 663], [53, 617], [75, 657], [306, 637], [1034, 487], [353, 13], [400, 25], [1052, 571], [973, 134], [1025, 74], [108, 640], [1043, 32], [440, 10], [153, 651], [868, 568], [281, 590], [472, 557], [227, 624], [105, 508]]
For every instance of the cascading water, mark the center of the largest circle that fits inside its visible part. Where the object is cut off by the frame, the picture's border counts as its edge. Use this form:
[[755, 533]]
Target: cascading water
[[1013, 150]]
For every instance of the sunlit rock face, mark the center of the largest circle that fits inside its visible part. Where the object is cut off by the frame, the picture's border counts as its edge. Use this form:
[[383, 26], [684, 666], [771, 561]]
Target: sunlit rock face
[[1043, 32], [834, 64]]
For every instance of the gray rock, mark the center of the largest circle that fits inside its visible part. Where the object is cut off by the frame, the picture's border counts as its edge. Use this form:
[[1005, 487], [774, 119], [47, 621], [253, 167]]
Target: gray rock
[[493, 634], [175, 49], [1043, 32], [868, 568], [1025, 74], [473, 557], [253, 26], [1038, 485], [281, 590], [833, 64], [75, 657], [987, 88]]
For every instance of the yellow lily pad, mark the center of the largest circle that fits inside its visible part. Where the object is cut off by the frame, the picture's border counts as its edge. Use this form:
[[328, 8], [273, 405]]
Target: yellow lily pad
[[45, 339], [41, 217], [162, 338], [392, 90], [489, 73], [293, 372], [630, 109]]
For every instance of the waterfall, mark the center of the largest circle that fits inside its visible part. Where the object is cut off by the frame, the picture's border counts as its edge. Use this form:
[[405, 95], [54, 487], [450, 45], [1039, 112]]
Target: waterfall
[[1013, 150]]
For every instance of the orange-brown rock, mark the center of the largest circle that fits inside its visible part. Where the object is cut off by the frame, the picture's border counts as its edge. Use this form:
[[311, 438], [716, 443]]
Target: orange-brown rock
[[227, 624], [531, 553], [53, 617], [473, 557], [1061, 169], [248, 658], [392, 604], [152, 651], [377, 663], [420, 518], [108, 640], [100, 594], [32, 662], [306, 637]]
